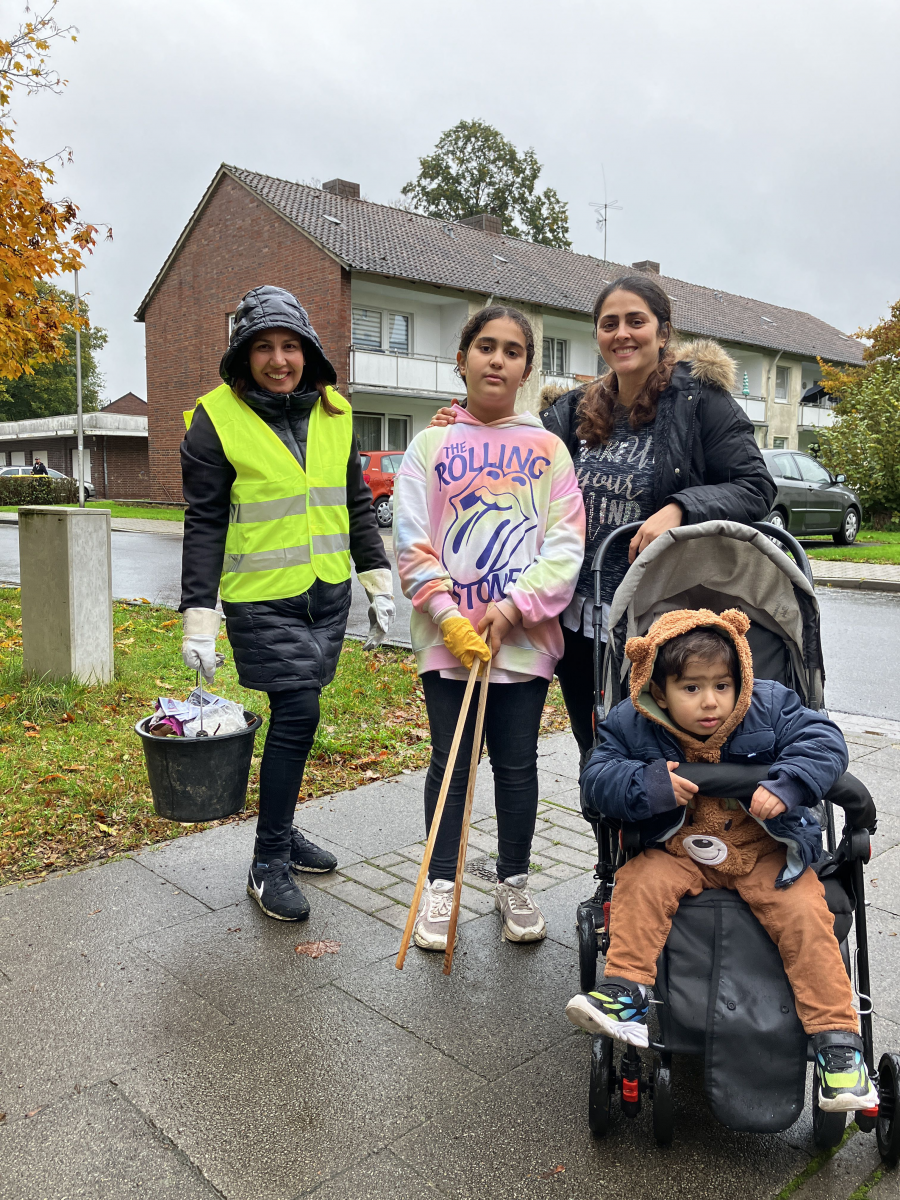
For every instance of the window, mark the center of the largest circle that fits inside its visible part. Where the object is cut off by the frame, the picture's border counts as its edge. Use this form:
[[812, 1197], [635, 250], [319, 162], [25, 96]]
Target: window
[[365, 459], [784, 464], [367, 328], [397, 433], [367, 427], [230, 325], [812, 471], [779, 443], [398, 333], [373, 329], [782, 383], [556, 356]]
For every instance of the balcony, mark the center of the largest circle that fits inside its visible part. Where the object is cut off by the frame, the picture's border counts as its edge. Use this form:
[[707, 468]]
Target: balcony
[[404, 374], [815, 416], [567, 382], [753, 406]]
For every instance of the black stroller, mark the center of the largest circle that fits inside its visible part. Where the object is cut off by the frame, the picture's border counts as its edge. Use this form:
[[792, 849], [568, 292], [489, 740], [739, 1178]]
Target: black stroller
[[721, 989]]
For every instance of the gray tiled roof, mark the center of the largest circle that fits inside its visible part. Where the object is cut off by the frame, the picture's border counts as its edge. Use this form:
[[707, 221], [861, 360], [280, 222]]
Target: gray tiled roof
[[390, 241]]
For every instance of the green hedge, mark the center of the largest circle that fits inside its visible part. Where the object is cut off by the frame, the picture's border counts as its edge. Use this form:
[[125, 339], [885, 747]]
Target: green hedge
[[37, 489]]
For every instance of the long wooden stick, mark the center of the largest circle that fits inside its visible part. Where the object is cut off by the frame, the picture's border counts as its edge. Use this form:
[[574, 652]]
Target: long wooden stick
[[467, 817], [438, 813]]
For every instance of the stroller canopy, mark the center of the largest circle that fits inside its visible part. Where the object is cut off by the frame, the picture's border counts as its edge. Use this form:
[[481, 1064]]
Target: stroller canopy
[[719, 565]]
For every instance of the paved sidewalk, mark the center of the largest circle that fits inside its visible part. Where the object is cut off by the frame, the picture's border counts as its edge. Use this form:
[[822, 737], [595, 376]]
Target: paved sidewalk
[[874, 577], [122, 524], [164, 1040]]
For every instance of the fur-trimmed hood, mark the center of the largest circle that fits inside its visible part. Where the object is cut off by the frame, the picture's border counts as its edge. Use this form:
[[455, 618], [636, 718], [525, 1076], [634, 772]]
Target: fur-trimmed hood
[[642, 651], [709, 362]]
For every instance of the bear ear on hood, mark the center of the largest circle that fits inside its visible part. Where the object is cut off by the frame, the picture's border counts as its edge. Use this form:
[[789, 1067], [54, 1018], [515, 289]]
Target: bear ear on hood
[[736, 619], [638, 649]]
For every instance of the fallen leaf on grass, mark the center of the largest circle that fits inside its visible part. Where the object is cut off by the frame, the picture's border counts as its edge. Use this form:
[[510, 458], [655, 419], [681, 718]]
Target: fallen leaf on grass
[[166, 686], [30, 733], [167, 624], [317, 949], [30, 725], [104, 828], [67, 719], [47, 777], [75, 767], [125, 642]]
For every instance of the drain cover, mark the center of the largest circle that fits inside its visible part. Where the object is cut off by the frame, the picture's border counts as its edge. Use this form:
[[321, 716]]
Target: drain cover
[[482, 868]]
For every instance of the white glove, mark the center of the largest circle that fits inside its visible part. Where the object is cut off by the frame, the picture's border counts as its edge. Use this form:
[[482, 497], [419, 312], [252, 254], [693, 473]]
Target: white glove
[[378, 585], [198, 642]]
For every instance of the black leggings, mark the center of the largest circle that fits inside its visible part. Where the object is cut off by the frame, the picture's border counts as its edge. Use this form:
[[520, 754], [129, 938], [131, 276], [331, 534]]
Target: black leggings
[[512, 721], [575, 671], [293, 719]]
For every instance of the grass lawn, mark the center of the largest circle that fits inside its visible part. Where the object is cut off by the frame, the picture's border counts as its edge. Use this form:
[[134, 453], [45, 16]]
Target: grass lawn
[[861, 551], [73, 787], [123, 510]]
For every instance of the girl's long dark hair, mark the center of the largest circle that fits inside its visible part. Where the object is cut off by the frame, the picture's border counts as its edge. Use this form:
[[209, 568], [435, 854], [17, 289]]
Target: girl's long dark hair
[[596, 409], [496, 312]]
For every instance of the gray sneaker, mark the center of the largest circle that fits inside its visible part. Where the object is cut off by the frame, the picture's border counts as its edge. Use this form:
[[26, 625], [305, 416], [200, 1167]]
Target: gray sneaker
[[523, 921], [433, 917]]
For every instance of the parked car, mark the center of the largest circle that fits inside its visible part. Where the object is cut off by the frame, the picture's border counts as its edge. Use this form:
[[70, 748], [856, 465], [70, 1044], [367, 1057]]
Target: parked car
[[810, 500], [88, 487], [379, 468]]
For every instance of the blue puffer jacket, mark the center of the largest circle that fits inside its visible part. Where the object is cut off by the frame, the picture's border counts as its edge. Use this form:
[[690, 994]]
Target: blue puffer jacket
[[627, 780]]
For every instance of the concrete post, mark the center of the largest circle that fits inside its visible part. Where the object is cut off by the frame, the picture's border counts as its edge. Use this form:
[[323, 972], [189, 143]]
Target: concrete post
[[66, 572]]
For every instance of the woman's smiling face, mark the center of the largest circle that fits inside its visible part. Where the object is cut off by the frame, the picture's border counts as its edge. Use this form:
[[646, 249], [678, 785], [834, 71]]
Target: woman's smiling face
[[629, 336], [276, 361]]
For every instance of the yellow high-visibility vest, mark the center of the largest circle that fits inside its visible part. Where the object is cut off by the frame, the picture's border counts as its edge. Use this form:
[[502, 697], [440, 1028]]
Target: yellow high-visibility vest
[[288, 525]]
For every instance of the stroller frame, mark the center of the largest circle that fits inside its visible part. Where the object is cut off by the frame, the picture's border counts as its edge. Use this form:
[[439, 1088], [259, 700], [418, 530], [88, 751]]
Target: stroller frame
[[592, 922]]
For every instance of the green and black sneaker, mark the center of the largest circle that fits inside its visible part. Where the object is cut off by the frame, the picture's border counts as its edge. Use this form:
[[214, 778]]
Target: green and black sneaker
[[617, 1008], [844, 1084]]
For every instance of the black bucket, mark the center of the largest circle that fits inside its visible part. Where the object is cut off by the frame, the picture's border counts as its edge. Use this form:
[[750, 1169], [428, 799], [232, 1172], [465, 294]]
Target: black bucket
[[199, 779]]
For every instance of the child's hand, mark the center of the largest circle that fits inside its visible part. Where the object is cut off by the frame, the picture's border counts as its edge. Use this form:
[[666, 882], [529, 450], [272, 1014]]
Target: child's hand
[[444, 416], [765, 806], [683, 788], [499, 625]]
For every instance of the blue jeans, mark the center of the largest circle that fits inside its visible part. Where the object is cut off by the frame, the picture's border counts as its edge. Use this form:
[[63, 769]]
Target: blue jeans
[[512, 721]]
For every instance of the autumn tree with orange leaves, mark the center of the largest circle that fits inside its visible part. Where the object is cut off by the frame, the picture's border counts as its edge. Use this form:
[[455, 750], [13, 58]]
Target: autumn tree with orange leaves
[[39, 237]]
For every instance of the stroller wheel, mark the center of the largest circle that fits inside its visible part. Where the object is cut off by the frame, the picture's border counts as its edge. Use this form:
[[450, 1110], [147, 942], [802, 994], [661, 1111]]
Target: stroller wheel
[[603, 1079], [663, 1106], [585, 923], [887, 1127], [828, 1127]]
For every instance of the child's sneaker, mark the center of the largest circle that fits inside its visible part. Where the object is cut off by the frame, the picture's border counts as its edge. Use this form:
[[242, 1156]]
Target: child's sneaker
[[523, 921], [617, 1008], [433, 917], [844, 1083], [307, 856], [271, 886]]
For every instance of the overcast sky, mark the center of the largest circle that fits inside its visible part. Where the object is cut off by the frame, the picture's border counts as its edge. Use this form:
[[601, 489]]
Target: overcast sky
[[753, 147]]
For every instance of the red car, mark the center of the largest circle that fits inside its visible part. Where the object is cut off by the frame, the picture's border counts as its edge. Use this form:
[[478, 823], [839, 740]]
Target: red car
[[379, 468]]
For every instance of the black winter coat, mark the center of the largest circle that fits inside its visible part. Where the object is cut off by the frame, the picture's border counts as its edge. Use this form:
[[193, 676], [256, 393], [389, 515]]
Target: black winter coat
[[707, 459]]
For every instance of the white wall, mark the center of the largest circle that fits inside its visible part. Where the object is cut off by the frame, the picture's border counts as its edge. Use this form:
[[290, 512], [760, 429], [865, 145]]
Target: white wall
[[580, 336], [419, 412], [436, 319]]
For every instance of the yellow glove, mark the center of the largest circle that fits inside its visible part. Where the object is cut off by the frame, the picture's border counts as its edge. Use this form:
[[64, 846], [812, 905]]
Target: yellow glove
[[463, 641]]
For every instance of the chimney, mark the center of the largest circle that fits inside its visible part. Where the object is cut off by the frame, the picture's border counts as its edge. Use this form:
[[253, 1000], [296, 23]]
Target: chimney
[[342, 187], [647, 265], [486, 221]]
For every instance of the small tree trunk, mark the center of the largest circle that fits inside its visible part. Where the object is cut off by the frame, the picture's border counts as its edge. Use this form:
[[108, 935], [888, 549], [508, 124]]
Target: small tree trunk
[[880, 518]]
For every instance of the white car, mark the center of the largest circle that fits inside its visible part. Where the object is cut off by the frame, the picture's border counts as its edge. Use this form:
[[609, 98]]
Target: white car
[[88, 487]]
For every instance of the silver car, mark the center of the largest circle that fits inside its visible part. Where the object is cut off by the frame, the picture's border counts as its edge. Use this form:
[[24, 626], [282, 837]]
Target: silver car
[[88, 487]]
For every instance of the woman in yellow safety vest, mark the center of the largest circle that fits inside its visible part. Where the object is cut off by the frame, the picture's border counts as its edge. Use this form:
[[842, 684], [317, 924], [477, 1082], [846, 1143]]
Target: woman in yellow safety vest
[[276, 507]]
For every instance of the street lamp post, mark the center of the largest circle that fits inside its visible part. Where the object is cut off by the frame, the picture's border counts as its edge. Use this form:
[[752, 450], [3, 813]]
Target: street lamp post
[[79, 423]]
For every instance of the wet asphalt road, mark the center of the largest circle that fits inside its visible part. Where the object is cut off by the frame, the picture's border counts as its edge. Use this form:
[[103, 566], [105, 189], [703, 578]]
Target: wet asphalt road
[[860, 630]]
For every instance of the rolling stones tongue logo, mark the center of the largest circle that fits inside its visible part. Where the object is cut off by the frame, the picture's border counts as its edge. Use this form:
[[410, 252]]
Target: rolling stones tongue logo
[[494, 513]]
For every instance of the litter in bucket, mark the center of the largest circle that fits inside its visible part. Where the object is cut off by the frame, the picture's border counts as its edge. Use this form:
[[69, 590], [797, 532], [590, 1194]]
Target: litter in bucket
[[195, 779]]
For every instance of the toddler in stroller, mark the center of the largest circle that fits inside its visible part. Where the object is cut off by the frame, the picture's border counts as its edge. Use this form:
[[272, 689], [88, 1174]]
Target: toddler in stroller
[[693, 696]]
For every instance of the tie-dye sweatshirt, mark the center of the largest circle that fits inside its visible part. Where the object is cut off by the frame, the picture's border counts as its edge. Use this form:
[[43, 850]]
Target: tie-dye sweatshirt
[[489, 513]]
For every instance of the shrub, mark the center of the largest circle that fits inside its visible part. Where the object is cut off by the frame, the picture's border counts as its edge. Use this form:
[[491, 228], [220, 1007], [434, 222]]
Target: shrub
[[37, 489]]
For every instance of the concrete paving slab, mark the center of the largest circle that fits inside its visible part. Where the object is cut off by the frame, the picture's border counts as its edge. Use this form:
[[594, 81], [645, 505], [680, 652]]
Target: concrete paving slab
[[75, 1026], [57, 919], [95, 1144], [882, 784], [295, 1094], [238, 959], [370, 820], [885, 759], [502, 1004], [884, 962], [569, 799], [883, 882], [558, 906], [552, 785], [887, 835], [381, 1176], [842, 1174], [524, 1127]]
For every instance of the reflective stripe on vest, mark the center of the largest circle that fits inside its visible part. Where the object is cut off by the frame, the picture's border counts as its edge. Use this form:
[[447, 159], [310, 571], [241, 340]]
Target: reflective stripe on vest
[[288, 524]]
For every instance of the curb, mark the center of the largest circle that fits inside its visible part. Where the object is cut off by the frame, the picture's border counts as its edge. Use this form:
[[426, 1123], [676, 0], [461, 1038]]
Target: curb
[[859, 585]]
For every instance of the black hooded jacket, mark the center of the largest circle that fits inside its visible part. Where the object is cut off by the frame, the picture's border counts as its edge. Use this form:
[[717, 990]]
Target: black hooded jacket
[[208, 475], [707, 459]]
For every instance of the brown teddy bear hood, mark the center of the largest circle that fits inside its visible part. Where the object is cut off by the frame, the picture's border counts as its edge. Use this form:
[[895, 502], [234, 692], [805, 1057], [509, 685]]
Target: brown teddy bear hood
[[643, 651]]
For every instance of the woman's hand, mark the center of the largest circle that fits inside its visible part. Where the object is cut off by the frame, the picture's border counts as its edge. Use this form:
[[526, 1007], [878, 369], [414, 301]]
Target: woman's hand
[[670, 516], [444, 416], [683, 788], [499, 625], [765, 805]]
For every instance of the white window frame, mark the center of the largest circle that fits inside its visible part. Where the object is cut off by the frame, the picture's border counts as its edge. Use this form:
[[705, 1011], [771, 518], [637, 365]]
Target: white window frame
[[554, 343], [786, 398], [396, 417], [384, 338], [231, 317]]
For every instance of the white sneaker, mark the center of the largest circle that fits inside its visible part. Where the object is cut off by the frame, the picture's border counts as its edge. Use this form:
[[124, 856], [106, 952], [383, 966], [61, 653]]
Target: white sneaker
[[523, 921], [433, 917]]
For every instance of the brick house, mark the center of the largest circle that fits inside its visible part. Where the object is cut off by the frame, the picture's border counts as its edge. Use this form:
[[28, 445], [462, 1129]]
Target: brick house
[[115, 447], [388, 291]]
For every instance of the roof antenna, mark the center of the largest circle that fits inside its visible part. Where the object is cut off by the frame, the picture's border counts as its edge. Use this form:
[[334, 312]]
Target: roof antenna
[[601, 211]]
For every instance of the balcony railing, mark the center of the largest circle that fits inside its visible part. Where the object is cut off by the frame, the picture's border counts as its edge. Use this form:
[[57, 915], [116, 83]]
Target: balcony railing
[[816, 415], [564, 381], [409, 374], [753, 406]]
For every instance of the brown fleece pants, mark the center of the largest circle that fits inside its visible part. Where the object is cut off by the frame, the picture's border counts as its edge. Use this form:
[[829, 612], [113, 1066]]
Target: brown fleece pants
[[797, 919]]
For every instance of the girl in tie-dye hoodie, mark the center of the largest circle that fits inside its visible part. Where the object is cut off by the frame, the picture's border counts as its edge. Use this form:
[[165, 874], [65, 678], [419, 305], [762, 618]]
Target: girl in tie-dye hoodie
[[488, 536]]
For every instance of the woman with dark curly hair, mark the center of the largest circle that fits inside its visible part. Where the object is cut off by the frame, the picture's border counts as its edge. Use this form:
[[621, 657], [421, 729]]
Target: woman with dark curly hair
[[658, 439]]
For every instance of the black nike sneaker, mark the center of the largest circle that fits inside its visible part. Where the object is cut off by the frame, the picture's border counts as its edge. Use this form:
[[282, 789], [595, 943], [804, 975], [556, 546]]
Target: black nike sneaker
[[271, 886], [844, 1084], [306, 856]]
